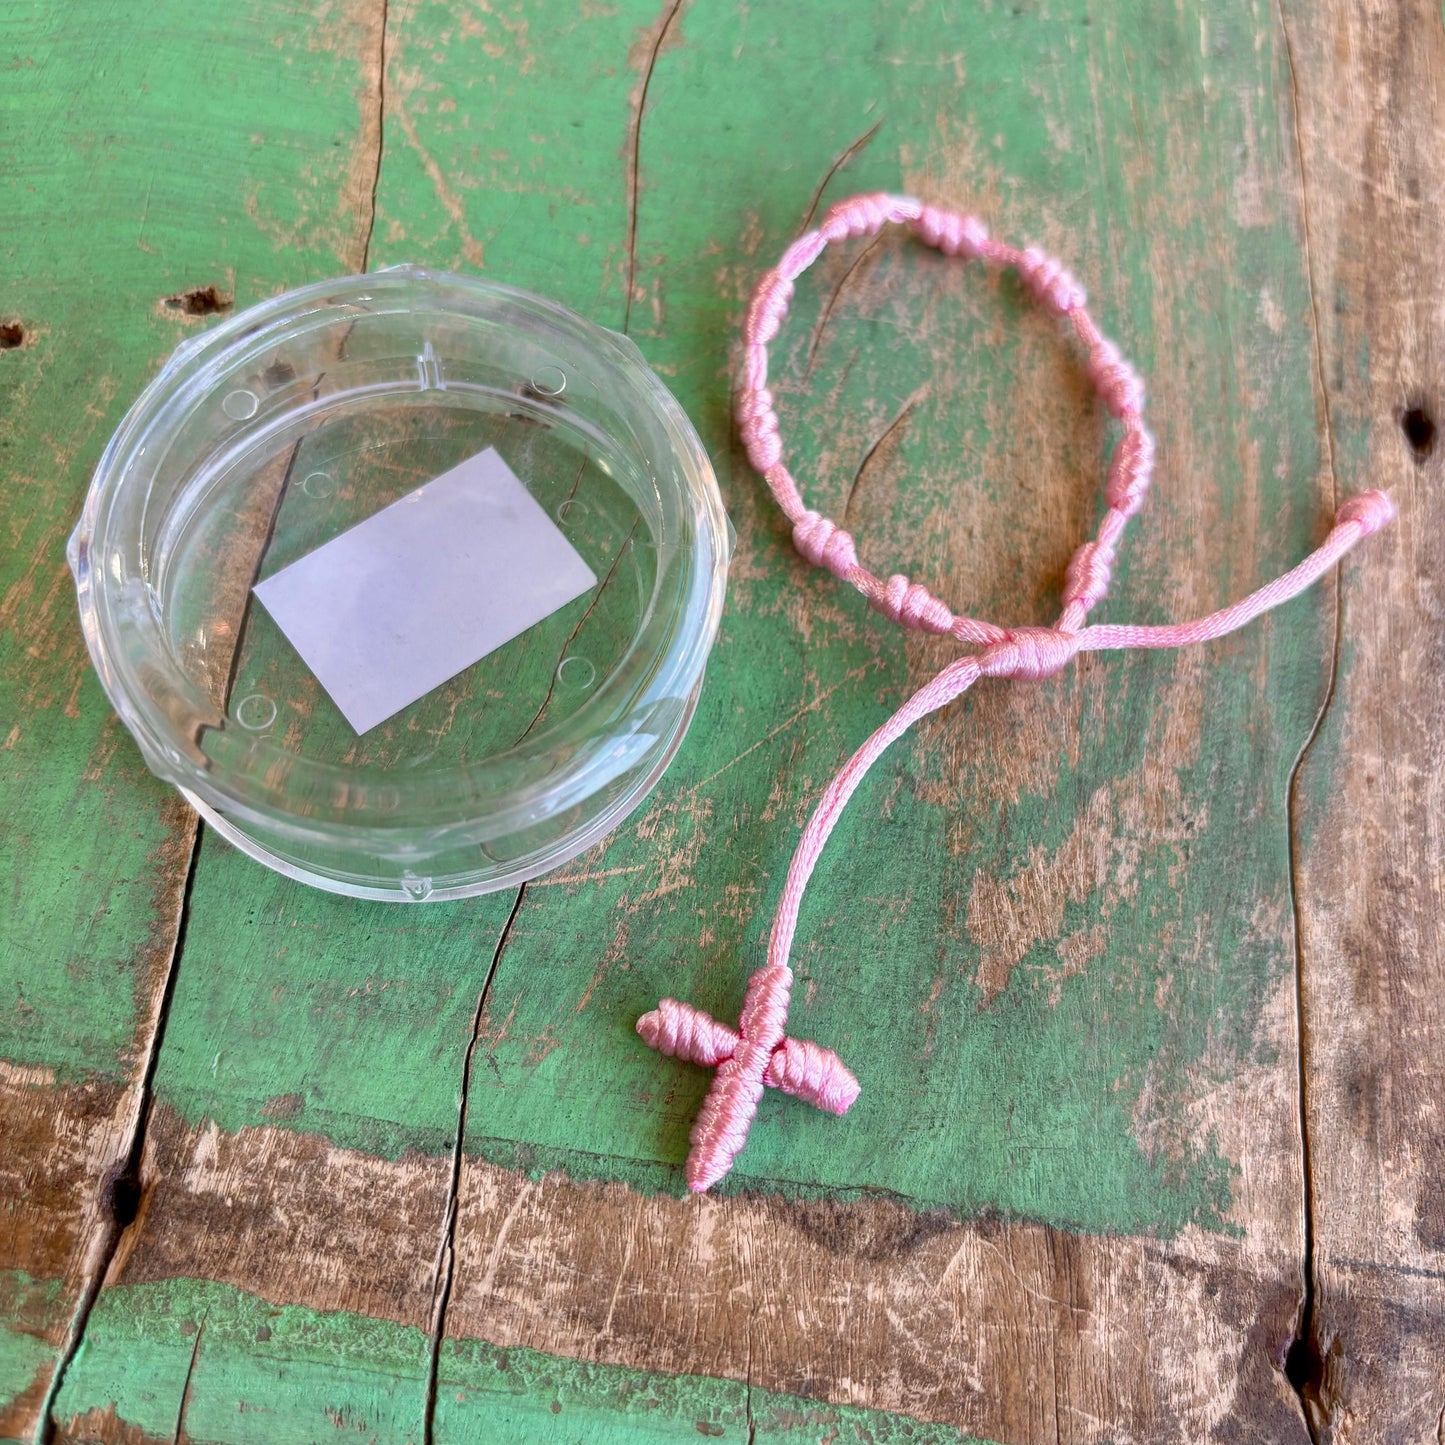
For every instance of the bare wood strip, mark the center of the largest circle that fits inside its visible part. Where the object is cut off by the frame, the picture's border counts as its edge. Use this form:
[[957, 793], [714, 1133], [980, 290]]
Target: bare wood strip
[[1371, 110], [1013, 1331]]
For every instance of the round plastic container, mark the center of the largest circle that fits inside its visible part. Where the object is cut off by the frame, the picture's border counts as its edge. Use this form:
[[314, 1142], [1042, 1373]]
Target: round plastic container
[[291, 423]]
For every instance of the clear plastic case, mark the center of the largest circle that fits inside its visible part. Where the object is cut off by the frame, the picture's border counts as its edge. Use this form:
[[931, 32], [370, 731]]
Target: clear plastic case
[[292, 422]]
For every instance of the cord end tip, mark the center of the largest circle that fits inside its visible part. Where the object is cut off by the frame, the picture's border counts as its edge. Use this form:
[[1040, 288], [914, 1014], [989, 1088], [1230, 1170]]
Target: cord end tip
[[1371, 510]]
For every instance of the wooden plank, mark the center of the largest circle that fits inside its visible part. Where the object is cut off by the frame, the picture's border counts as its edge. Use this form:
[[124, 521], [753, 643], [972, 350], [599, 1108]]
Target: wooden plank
[[1370, 791], [1084, 1224], [132, 212]]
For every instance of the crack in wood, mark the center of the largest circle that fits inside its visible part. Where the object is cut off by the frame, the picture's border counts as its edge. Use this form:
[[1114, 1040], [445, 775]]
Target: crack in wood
[[380, 122], [176, 1439], [748, 1382], [839, 161], [446, 1252], [581, 622], [104, 1246], [634, 177], [1302, 1363]]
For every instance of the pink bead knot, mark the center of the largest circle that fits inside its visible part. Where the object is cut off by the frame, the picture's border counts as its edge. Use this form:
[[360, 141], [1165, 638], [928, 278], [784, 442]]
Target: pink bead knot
[[1372, 510], [1129, 471], [913, 605], [758, 424], [859, 215], [1118, 383], [1050, 282], [802, 253], [1029, 653], [1087, 579], [951, 233], [824, 543]]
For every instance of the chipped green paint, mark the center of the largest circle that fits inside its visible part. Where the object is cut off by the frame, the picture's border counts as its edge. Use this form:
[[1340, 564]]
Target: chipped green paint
[[26, 1307], [227, 1367], [100, 225], [339, 1017]]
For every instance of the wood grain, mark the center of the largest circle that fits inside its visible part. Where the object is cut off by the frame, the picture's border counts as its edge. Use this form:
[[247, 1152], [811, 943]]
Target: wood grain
[[1370, 792]]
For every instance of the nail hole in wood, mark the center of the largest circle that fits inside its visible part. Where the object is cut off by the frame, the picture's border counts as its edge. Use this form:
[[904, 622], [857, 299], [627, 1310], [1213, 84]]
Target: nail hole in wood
[[203, 301], [123, 1198], [1303, 1367], [1419, 428], [12, 334]]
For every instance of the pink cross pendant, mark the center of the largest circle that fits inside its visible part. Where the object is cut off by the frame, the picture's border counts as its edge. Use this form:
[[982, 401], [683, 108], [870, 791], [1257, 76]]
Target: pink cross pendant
[[755, 1056]]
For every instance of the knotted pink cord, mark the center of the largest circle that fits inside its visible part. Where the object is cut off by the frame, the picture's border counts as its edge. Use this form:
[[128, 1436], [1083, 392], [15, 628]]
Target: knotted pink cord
[[759, 1054]]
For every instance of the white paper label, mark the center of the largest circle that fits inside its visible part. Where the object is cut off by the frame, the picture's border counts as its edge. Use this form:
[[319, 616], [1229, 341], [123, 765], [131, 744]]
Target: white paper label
[[431, 584]]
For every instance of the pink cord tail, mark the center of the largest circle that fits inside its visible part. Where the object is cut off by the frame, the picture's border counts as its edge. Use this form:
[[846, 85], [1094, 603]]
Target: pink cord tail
[[1357, 519]]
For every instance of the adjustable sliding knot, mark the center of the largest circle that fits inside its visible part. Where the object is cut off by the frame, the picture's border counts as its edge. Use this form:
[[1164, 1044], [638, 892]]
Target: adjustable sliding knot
[[1029, 653], [912, 605], [824, 543]]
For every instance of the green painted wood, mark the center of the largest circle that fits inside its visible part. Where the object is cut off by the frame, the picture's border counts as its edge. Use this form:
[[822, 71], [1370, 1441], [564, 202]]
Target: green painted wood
[[146, 153], [226, 1367], [315, 1025]]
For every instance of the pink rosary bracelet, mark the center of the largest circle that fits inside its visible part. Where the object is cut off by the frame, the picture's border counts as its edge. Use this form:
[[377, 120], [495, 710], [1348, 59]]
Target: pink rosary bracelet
[[758, 1053]]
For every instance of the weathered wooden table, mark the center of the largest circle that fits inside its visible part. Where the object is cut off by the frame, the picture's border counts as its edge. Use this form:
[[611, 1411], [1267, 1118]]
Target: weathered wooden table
[[1147, 1013]]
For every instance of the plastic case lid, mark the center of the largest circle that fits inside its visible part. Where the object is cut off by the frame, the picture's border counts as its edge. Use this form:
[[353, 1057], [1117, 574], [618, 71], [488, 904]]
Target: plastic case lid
[[294, 421]]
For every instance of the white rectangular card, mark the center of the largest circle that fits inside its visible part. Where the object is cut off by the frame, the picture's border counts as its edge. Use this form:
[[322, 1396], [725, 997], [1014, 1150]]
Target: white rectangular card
[[420, 591]]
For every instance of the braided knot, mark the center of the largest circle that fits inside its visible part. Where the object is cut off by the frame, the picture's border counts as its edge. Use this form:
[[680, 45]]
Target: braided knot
[[1129, 471], [1118, 383], [758, 423], [1087, 578], [913, 605], [681, 1031], [951, 233], [858, 216], [1372, 510], [805, 1070], [1029, 653], [1048, 280], [768, 307], [824, 543]]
